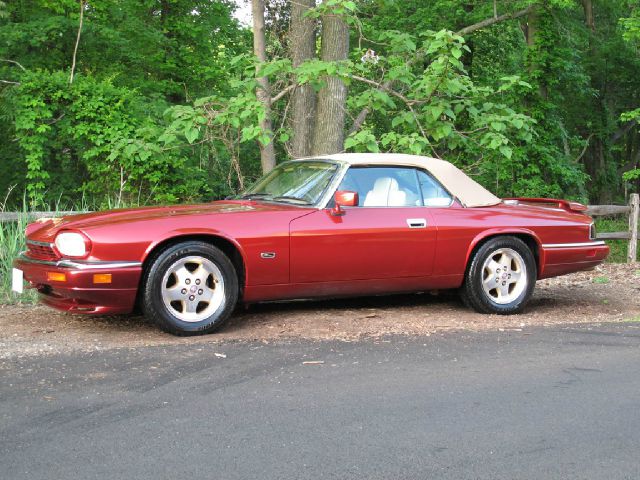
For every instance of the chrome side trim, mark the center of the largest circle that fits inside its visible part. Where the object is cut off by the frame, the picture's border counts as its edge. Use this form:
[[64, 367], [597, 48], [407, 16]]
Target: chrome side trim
[[80, 265], [573, 245], [97, 265]]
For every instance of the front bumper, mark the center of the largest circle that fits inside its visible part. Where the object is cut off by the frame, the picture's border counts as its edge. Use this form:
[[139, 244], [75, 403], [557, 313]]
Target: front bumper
[[79, 293]]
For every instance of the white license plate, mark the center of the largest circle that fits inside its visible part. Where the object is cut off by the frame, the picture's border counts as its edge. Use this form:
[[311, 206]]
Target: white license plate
[[17, 280]]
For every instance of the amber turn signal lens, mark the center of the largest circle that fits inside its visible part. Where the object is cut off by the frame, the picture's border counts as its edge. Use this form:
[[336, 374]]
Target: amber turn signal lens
[[56, 277], [102, 278]]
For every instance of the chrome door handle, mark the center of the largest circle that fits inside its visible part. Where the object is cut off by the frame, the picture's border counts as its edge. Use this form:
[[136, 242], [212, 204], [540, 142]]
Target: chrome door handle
[[416, 222]]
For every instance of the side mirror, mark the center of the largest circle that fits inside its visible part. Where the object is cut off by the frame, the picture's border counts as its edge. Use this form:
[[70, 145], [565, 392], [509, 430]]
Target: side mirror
[[344, 198]]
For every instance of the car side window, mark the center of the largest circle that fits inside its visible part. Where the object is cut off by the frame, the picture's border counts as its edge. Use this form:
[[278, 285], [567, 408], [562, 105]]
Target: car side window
[[383, 186], [433, 194]]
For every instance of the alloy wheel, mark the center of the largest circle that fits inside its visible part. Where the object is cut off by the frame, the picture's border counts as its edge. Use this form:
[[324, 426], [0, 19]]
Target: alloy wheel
[[504, 276], [193, 288]]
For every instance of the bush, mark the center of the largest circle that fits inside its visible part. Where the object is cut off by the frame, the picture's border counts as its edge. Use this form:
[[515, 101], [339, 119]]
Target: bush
[[92, 139]]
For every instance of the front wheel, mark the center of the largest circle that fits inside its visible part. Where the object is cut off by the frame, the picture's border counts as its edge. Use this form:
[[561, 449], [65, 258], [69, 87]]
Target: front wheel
[[190, 288], [501, 277]]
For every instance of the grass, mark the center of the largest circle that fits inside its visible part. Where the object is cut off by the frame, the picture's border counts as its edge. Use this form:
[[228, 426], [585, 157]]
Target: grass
[[11, 244], [618, 247]]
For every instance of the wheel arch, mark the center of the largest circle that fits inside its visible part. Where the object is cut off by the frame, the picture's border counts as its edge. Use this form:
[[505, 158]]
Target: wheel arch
[[228, 246], [526, 235]]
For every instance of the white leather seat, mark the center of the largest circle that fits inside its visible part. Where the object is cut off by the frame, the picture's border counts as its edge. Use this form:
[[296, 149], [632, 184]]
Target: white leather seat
[[385, 193]]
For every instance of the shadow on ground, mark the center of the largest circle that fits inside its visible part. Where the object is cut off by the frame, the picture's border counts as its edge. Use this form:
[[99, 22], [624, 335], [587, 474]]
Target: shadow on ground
[[610, 293]]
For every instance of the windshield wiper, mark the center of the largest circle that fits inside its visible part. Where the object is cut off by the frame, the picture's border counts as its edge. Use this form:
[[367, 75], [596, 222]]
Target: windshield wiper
[[250, 196], [269, 196], [292, 199]]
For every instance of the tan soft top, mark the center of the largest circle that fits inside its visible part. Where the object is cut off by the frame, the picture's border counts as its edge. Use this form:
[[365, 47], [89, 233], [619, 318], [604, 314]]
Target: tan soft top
[[467, 191]]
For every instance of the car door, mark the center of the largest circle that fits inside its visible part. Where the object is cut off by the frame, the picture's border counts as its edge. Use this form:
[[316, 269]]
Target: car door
[[390, 234]]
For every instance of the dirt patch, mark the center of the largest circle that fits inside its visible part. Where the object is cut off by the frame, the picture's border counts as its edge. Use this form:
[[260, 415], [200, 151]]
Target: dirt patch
[[609, 293]]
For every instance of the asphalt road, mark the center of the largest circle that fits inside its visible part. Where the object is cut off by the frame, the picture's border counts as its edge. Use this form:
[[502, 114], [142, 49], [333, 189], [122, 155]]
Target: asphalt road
[[555, 403]]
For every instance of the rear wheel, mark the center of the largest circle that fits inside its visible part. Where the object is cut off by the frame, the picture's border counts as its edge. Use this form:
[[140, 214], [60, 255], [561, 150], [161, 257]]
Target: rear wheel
[[501, 277], [190, 288]]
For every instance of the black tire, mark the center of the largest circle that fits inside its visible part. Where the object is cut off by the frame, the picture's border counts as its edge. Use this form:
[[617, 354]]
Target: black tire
[[156, 283], [491, 300]]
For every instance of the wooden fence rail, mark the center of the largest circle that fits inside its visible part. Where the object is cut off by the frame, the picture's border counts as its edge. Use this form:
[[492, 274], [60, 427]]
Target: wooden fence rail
[[15, 216], [632, 210]]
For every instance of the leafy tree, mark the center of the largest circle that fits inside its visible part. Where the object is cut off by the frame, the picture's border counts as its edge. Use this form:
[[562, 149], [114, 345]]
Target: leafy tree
[[171, 101], [98, 138], [631, 119]]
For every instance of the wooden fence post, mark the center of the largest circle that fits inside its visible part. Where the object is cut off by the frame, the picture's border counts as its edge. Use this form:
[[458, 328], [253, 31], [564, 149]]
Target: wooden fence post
[[634, 204]]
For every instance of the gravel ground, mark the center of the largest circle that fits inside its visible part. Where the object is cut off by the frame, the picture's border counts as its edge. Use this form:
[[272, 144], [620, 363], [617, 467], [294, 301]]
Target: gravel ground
[[608, 294]]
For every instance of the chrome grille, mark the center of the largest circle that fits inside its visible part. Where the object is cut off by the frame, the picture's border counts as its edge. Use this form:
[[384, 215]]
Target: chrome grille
[[40, 251]]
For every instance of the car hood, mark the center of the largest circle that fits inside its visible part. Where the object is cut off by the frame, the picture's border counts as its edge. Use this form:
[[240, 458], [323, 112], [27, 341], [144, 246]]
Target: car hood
[[47, 228]]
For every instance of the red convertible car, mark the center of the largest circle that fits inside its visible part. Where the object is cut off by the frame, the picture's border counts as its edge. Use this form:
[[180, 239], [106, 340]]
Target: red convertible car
[[335, 225]]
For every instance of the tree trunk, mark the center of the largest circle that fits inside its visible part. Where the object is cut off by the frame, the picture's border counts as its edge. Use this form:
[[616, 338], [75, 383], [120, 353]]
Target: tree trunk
[[587, 5], [328, 134], [75, 49], [165, 12], [267, 152], [532, 27], [533, 24], [302, 41]]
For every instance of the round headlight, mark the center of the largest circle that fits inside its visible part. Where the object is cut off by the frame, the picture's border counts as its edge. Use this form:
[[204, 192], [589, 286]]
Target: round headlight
[[71, 244]]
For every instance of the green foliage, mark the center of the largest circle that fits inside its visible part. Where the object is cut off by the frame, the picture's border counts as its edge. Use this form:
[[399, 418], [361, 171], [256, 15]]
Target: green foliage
[[163, 107], [345, 8], [12, 242], [99, 137], [581, 80], [631, 25], [442, 112], [98, 131], [631, 33]]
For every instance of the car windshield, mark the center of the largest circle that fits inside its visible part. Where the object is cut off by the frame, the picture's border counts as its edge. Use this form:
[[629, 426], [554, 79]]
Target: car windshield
[[294, 182]]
